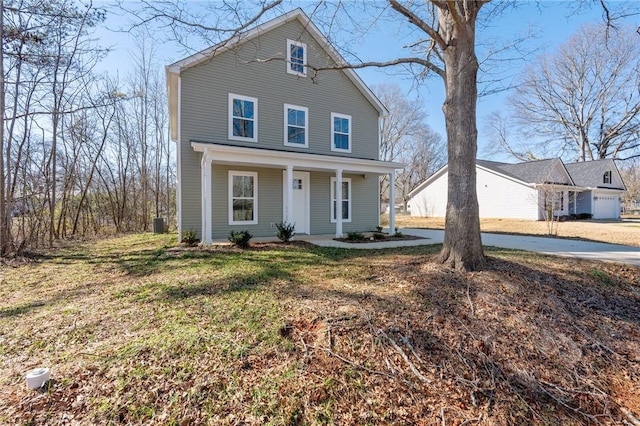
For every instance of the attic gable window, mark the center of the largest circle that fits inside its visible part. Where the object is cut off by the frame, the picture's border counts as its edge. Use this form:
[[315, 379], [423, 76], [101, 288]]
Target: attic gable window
[[607, 177], [296, 58]]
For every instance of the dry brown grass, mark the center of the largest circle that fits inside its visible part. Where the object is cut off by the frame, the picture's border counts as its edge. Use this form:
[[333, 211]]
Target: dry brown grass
[[138, 331], [616, 232]]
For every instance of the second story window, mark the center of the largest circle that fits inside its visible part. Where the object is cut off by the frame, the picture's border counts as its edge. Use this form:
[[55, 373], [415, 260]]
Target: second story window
[[340, 132], [296, 58], [607, 177], [243, 118], [296, 122]]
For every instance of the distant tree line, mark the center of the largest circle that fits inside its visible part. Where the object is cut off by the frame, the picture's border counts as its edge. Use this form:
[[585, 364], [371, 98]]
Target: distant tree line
[[82, 154]]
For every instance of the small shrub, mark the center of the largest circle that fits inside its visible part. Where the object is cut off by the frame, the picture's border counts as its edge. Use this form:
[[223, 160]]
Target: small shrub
[[355, 236], [240, 238], [285, 231], [398, 233], [601, 275], [379, 229], [189, 238]]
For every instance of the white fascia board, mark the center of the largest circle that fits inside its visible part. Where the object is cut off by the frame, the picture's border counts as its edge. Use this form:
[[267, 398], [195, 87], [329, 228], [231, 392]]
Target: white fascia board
[[237, 154], [558, 187], [298, 14], [339, 59], [210, 52], [173, 100], [615, 190], [428, 181], [615, 167], [566, 172]]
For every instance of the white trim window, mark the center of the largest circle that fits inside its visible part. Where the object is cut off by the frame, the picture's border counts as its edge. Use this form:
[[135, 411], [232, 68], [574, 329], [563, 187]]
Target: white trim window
[[243, 118], [606, 178], [296, 58], [296, 123], [346, 200], [243, 198], [340, 132]]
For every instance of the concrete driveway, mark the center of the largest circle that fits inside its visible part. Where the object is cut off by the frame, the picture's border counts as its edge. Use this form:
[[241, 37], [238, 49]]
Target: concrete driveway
[[546, 245], [558, 246]]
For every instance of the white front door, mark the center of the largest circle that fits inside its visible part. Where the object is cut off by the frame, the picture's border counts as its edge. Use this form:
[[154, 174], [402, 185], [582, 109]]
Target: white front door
[[301, 200]]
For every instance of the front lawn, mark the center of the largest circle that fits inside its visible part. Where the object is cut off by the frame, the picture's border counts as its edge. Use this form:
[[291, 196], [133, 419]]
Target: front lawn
[[139, 330]]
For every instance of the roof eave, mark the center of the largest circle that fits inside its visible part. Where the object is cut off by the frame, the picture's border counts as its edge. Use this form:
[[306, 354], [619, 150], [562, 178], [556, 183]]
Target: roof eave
[[211, 52]]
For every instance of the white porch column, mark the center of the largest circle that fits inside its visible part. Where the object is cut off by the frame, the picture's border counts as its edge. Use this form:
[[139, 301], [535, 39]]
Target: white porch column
[[338, 209], [206, 198], [392, 202], [575, 202], [289, 195]]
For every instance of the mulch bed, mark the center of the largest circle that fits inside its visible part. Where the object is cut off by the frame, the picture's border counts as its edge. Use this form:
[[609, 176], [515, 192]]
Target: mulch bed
[[371, 239]]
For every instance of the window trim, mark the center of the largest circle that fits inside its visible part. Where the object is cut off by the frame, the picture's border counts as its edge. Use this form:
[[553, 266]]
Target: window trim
[[287, 107], [335, 115], [607, 178], [230, 197], [304, 58], [333, 198], [232, 97]]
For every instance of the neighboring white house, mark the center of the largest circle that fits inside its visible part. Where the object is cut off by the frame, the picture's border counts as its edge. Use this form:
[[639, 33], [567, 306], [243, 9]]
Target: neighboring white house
[[530, 190]]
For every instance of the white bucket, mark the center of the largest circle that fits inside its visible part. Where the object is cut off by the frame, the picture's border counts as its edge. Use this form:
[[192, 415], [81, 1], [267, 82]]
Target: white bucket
[[37, 377]]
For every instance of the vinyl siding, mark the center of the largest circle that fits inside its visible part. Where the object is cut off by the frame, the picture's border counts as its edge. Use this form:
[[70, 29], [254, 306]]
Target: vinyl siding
[[498, 197], [190, 190], [269, 201], [364, 201], [204, 109], [583, 202], [431, 201], [206, 88]]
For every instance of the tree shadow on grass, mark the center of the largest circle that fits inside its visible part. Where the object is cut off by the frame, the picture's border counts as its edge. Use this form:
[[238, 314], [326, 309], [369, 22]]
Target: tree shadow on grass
[[149, 262], [22, 309]]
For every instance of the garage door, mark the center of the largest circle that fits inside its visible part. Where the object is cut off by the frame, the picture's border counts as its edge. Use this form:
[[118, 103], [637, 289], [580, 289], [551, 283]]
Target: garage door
[[606, 207]]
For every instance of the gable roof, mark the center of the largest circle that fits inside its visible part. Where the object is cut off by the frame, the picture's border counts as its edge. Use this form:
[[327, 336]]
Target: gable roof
[[589, 173], [310, 27], [585, 174], [539, 171]]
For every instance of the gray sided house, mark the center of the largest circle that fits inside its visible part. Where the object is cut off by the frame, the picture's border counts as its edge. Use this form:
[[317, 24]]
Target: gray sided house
[[262, 138]]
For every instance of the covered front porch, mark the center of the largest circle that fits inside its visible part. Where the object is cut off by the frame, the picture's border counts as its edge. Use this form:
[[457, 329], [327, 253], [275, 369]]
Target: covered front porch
[[559, 200], [349, 177]]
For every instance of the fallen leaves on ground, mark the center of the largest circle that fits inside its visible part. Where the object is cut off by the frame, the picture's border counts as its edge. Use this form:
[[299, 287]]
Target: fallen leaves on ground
[[140, 330]]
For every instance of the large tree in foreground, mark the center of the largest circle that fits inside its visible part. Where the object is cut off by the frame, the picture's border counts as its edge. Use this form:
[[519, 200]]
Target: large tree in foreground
[[452, 56]]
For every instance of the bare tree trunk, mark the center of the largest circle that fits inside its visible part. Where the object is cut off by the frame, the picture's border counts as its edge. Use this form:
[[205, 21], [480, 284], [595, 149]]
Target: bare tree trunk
[[4, 214], [462, 247]]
